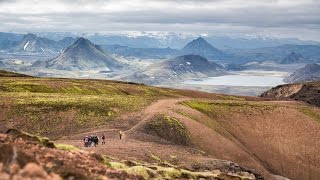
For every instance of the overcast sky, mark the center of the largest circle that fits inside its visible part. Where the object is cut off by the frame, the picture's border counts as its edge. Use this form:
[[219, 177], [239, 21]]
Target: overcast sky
[[280, 18]]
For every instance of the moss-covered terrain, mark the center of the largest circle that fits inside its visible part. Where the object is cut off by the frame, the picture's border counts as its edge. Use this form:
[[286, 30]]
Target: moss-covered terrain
[[157, 171], [170, 129], [41, 106]]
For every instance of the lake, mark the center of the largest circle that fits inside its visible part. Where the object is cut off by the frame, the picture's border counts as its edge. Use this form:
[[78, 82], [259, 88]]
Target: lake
[[244, 78]]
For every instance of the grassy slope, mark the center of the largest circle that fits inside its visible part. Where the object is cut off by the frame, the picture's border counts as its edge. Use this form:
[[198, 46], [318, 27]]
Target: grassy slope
[[56, 105]]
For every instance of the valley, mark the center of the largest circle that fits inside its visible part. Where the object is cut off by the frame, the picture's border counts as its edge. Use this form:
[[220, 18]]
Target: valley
[[159, 90], [201, 118]]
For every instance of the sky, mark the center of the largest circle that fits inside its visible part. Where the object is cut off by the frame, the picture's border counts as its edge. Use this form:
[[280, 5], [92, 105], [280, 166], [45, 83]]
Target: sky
[[278, 18]]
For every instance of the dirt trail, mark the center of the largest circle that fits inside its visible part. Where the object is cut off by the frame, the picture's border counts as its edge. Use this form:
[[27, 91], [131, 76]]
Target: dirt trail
[[229, 138], [137, 145]]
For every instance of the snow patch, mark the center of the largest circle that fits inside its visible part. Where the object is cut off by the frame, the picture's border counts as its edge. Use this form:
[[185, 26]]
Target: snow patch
[[25, 46]]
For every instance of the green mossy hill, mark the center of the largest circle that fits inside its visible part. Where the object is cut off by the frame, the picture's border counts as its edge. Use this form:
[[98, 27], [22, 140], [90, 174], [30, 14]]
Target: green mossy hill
[[52, 107], [170, 129]]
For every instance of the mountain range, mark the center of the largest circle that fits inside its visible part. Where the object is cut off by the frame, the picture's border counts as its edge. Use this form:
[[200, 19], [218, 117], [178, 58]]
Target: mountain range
[[178, 40], [149, 53], [280, 54], [33, 44], [199, 46], [310, 53]]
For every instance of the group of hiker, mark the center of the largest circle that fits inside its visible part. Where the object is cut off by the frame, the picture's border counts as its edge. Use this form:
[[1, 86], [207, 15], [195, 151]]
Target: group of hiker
[[93, 140]]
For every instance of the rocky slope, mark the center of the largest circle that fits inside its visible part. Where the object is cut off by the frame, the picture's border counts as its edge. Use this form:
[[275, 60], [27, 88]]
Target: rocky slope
[[310, 72], [24, 156], [308, 92]]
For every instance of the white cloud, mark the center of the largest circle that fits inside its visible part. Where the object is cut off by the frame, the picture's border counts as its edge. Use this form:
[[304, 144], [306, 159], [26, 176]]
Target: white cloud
[[279, 17]]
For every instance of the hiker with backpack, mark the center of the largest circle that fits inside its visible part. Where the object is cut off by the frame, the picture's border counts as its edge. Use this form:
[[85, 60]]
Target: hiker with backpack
[[95, 140], [86, 141]]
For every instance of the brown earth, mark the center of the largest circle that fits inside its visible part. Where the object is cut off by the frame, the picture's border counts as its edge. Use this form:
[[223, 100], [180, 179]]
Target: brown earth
[[24, 157], [264, 137], [280, 140]]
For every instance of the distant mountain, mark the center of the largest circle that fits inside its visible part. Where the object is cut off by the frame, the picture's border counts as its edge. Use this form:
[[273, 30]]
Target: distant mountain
[[178, 40], [84, 55], [9, 40], [178, 69], [150, 53], [201, 47], [293, 58], [311, 53], [32, 43], [310, 72], [66, 42]]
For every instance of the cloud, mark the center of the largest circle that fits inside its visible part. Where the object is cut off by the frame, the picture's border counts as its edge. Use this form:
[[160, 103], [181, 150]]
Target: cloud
[[265, 16]]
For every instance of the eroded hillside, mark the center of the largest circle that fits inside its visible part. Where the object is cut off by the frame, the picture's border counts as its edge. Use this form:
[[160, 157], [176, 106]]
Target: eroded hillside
[[308, 92]]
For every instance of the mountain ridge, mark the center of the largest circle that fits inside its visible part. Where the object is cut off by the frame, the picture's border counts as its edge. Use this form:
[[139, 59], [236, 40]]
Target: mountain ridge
[[310, 72], [177, 69]]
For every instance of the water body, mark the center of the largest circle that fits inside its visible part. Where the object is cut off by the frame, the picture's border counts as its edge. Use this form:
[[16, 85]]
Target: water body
[[246, 79]]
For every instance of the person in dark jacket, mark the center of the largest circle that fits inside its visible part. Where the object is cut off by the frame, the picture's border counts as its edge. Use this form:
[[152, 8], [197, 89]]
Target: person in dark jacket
[[103, 139], [95, 140]]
